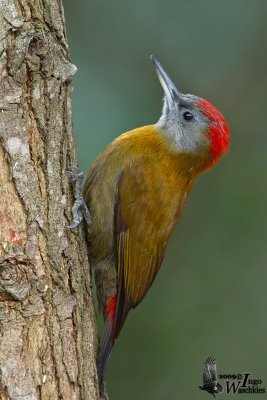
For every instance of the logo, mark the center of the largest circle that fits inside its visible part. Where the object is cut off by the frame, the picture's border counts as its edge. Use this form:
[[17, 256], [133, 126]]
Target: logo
[[241, 383], [210, 383]]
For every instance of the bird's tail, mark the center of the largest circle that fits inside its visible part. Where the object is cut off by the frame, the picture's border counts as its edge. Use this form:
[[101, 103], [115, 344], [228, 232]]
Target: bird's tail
[[106, 343], [104, 354], [115, 317]]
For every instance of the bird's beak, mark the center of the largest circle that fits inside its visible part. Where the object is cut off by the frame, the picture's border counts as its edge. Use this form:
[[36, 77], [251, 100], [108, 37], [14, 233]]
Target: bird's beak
[[171, 93]]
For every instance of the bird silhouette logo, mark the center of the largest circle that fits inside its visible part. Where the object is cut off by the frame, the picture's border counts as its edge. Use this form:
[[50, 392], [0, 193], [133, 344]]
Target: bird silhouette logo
[[210, 383]]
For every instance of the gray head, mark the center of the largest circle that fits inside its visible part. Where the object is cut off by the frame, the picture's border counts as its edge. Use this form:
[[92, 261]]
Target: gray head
[[194, 124]]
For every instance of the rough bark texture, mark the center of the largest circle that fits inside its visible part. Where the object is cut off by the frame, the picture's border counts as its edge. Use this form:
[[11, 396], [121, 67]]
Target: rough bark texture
[[47, 330]]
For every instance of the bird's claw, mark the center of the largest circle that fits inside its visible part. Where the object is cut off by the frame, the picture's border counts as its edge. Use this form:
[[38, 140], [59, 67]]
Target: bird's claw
[[76, 176], [79, 208]]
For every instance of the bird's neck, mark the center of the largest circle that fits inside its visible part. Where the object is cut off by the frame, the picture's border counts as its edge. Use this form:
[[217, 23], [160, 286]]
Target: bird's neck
[[152, 142], [188, 162]]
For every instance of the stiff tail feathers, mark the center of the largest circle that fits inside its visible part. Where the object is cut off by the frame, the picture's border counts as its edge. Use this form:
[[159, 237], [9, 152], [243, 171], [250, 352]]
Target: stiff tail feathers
[[116, 315], [104, 353]]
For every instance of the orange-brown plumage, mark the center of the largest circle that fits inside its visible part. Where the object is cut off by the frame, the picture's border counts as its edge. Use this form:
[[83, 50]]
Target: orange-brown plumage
[[152, 193], [136, 191], [150, 180]]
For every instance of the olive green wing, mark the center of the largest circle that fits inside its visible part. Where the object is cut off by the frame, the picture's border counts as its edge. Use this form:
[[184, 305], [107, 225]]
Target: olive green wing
[[146, 212]]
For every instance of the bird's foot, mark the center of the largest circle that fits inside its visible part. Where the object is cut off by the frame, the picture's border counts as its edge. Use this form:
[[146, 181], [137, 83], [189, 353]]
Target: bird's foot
[[79, 208]]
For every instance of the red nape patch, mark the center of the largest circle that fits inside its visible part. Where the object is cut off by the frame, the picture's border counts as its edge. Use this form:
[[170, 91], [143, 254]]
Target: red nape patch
[[219, 133], [111, 308]]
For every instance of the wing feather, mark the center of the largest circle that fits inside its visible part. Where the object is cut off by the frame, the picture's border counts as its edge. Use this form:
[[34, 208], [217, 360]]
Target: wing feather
[[147, 210], [209, 372]]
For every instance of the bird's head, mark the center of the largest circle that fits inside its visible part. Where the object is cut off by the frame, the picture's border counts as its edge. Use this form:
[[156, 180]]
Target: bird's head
[[194, 124]]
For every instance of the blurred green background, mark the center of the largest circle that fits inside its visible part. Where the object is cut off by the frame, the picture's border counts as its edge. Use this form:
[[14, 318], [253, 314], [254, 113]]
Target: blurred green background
[[210, 295]]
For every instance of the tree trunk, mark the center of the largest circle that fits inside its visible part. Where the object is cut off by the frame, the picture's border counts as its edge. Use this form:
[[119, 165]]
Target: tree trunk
[[47, 341]]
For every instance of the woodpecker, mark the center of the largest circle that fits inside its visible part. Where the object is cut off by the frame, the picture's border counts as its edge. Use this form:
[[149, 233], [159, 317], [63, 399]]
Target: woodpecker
[[136, 191]]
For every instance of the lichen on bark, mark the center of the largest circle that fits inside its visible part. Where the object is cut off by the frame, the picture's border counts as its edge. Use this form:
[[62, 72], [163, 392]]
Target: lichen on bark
[[47, 327]]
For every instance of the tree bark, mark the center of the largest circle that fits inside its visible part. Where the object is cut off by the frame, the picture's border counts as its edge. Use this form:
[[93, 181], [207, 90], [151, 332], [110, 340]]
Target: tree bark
[[47, 324]]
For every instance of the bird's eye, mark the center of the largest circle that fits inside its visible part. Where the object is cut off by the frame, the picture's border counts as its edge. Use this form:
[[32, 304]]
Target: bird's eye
[[188, 116]]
